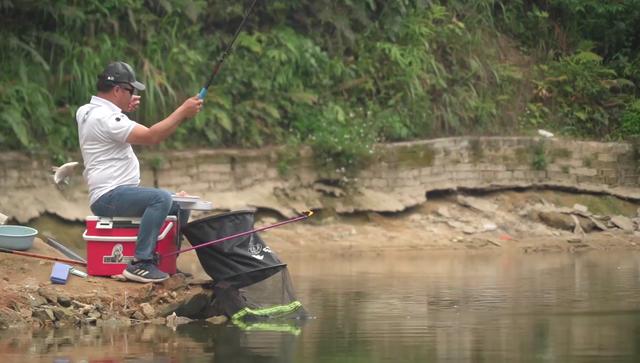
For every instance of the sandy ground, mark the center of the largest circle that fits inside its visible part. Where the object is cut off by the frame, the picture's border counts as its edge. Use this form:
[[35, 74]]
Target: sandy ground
[[463, 228], [441, 224]]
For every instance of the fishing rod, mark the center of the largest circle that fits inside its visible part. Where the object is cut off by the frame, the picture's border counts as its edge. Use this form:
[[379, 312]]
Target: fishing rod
[[305, 215], [216, 68], [34, 255]]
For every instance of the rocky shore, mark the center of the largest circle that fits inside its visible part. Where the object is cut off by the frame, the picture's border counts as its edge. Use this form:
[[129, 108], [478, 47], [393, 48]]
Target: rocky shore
[[523, 221], [29, 298]]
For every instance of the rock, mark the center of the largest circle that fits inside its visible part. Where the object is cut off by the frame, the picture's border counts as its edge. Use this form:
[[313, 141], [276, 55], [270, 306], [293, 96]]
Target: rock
[[119, 277], [218, 320], [65, 316], [443, 211], [598, 224], [9, 317], [487, 227], [173, 320], [148, 311], [138, 315], [24, 313], [194, 306], [469, 230], [377, 201], [543, 202], [175, 282], [50, 295], [454, 224], [43, 315], [64, 301], [623, 223], [557, 220], [90, 321], [577, 229], [328, 189], [565, 221], [36, 300], [586, 224], [478, 204], [580, 208]]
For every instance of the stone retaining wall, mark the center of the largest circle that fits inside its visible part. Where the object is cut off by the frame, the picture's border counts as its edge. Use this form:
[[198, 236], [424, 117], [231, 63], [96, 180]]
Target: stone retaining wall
[[397, 176]]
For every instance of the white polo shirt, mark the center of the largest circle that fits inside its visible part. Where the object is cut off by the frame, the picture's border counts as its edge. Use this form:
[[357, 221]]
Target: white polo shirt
[[109, 161]]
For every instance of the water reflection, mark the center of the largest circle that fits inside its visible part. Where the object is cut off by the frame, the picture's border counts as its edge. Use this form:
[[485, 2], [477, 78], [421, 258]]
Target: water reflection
[[194, 342], [412, 308]]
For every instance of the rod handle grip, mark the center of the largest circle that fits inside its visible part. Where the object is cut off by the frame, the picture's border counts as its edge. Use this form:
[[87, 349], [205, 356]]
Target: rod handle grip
[[202, 94]]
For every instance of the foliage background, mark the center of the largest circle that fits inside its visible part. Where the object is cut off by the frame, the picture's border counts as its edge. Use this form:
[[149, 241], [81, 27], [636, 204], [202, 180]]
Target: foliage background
[[338, 75]]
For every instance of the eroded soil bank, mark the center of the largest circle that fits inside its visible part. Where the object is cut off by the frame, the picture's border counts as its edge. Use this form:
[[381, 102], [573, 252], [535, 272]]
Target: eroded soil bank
[[516, 221]]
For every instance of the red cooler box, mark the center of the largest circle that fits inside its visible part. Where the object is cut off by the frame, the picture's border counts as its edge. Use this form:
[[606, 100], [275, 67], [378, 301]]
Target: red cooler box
[[111, 244]]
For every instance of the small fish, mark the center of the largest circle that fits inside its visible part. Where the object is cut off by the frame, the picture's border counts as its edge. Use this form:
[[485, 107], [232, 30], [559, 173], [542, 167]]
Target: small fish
[[545, 133], [63, 173]]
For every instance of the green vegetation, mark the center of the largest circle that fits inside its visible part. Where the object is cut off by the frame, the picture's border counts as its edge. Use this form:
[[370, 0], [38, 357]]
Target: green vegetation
[[336, 75], [539, 155]]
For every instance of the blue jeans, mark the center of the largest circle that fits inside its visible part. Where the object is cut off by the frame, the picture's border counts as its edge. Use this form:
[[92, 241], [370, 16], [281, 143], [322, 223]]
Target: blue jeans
[[153, 205]]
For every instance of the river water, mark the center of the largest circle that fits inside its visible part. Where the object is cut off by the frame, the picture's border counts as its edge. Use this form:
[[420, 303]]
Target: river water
[[422, 307]]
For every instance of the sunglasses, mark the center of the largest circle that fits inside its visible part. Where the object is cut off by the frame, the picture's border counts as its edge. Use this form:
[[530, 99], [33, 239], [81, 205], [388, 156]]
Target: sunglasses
[[130, 90]]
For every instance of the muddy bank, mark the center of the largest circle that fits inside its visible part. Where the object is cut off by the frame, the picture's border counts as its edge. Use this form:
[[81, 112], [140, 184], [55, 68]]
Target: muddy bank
[[517, 221]]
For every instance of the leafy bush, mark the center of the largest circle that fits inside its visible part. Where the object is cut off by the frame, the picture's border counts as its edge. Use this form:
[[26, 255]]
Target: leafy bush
[[584, 96], [589, 56], [338, 75], [631, 121]]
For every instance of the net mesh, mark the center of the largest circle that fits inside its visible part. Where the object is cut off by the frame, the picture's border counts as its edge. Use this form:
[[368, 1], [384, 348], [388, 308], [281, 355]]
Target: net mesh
[[251, 284]]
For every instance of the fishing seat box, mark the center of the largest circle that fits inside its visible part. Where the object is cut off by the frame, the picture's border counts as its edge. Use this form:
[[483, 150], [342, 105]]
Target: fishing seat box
[[111, 244]]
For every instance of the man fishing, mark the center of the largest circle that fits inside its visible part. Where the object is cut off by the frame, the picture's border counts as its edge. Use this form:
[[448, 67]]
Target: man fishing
[[112, 170]]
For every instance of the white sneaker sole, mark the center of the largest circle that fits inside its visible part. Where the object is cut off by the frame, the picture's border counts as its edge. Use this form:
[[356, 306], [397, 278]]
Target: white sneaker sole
[[137, 278]]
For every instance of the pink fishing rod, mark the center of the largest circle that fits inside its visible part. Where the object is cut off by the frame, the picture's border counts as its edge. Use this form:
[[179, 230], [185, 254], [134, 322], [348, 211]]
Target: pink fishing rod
[[304, 215]]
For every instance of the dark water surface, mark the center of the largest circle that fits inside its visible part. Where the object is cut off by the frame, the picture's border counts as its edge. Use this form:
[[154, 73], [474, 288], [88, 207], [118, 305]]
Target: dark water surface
[[423, 307]]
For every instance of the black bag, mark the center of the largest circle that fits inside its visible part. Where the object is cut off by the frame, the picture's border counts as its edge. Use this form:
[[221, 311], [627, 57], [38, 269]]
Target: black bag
[[239, 262]]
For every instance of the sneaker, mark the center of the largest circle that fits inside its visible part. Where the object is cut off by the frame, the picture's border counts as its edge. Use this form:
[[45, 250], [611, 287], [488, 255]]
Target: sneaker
[[144, 271]]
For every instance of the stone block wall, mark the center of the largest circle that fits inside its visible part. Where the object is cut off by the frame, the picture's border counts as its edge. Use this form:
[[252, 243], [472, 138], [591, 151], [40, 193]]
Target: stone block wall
[[396, 177]]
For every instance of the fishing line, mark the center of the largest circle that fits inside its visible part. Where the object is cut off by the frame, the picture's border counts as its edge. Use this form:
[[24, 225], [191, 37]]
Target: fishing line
[[305, 215]]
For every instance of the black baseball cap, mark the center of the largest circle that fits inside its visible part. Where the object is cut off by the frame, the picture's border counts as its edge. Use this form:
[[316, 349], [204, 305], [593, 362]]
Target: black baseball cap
[[121, 72]]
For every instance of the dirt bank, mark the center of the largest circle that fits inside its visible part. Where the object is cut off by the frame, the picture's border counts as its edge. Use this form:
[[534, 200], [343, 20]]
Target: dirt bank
[[29, 298], [531, 220], [526, 221]]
